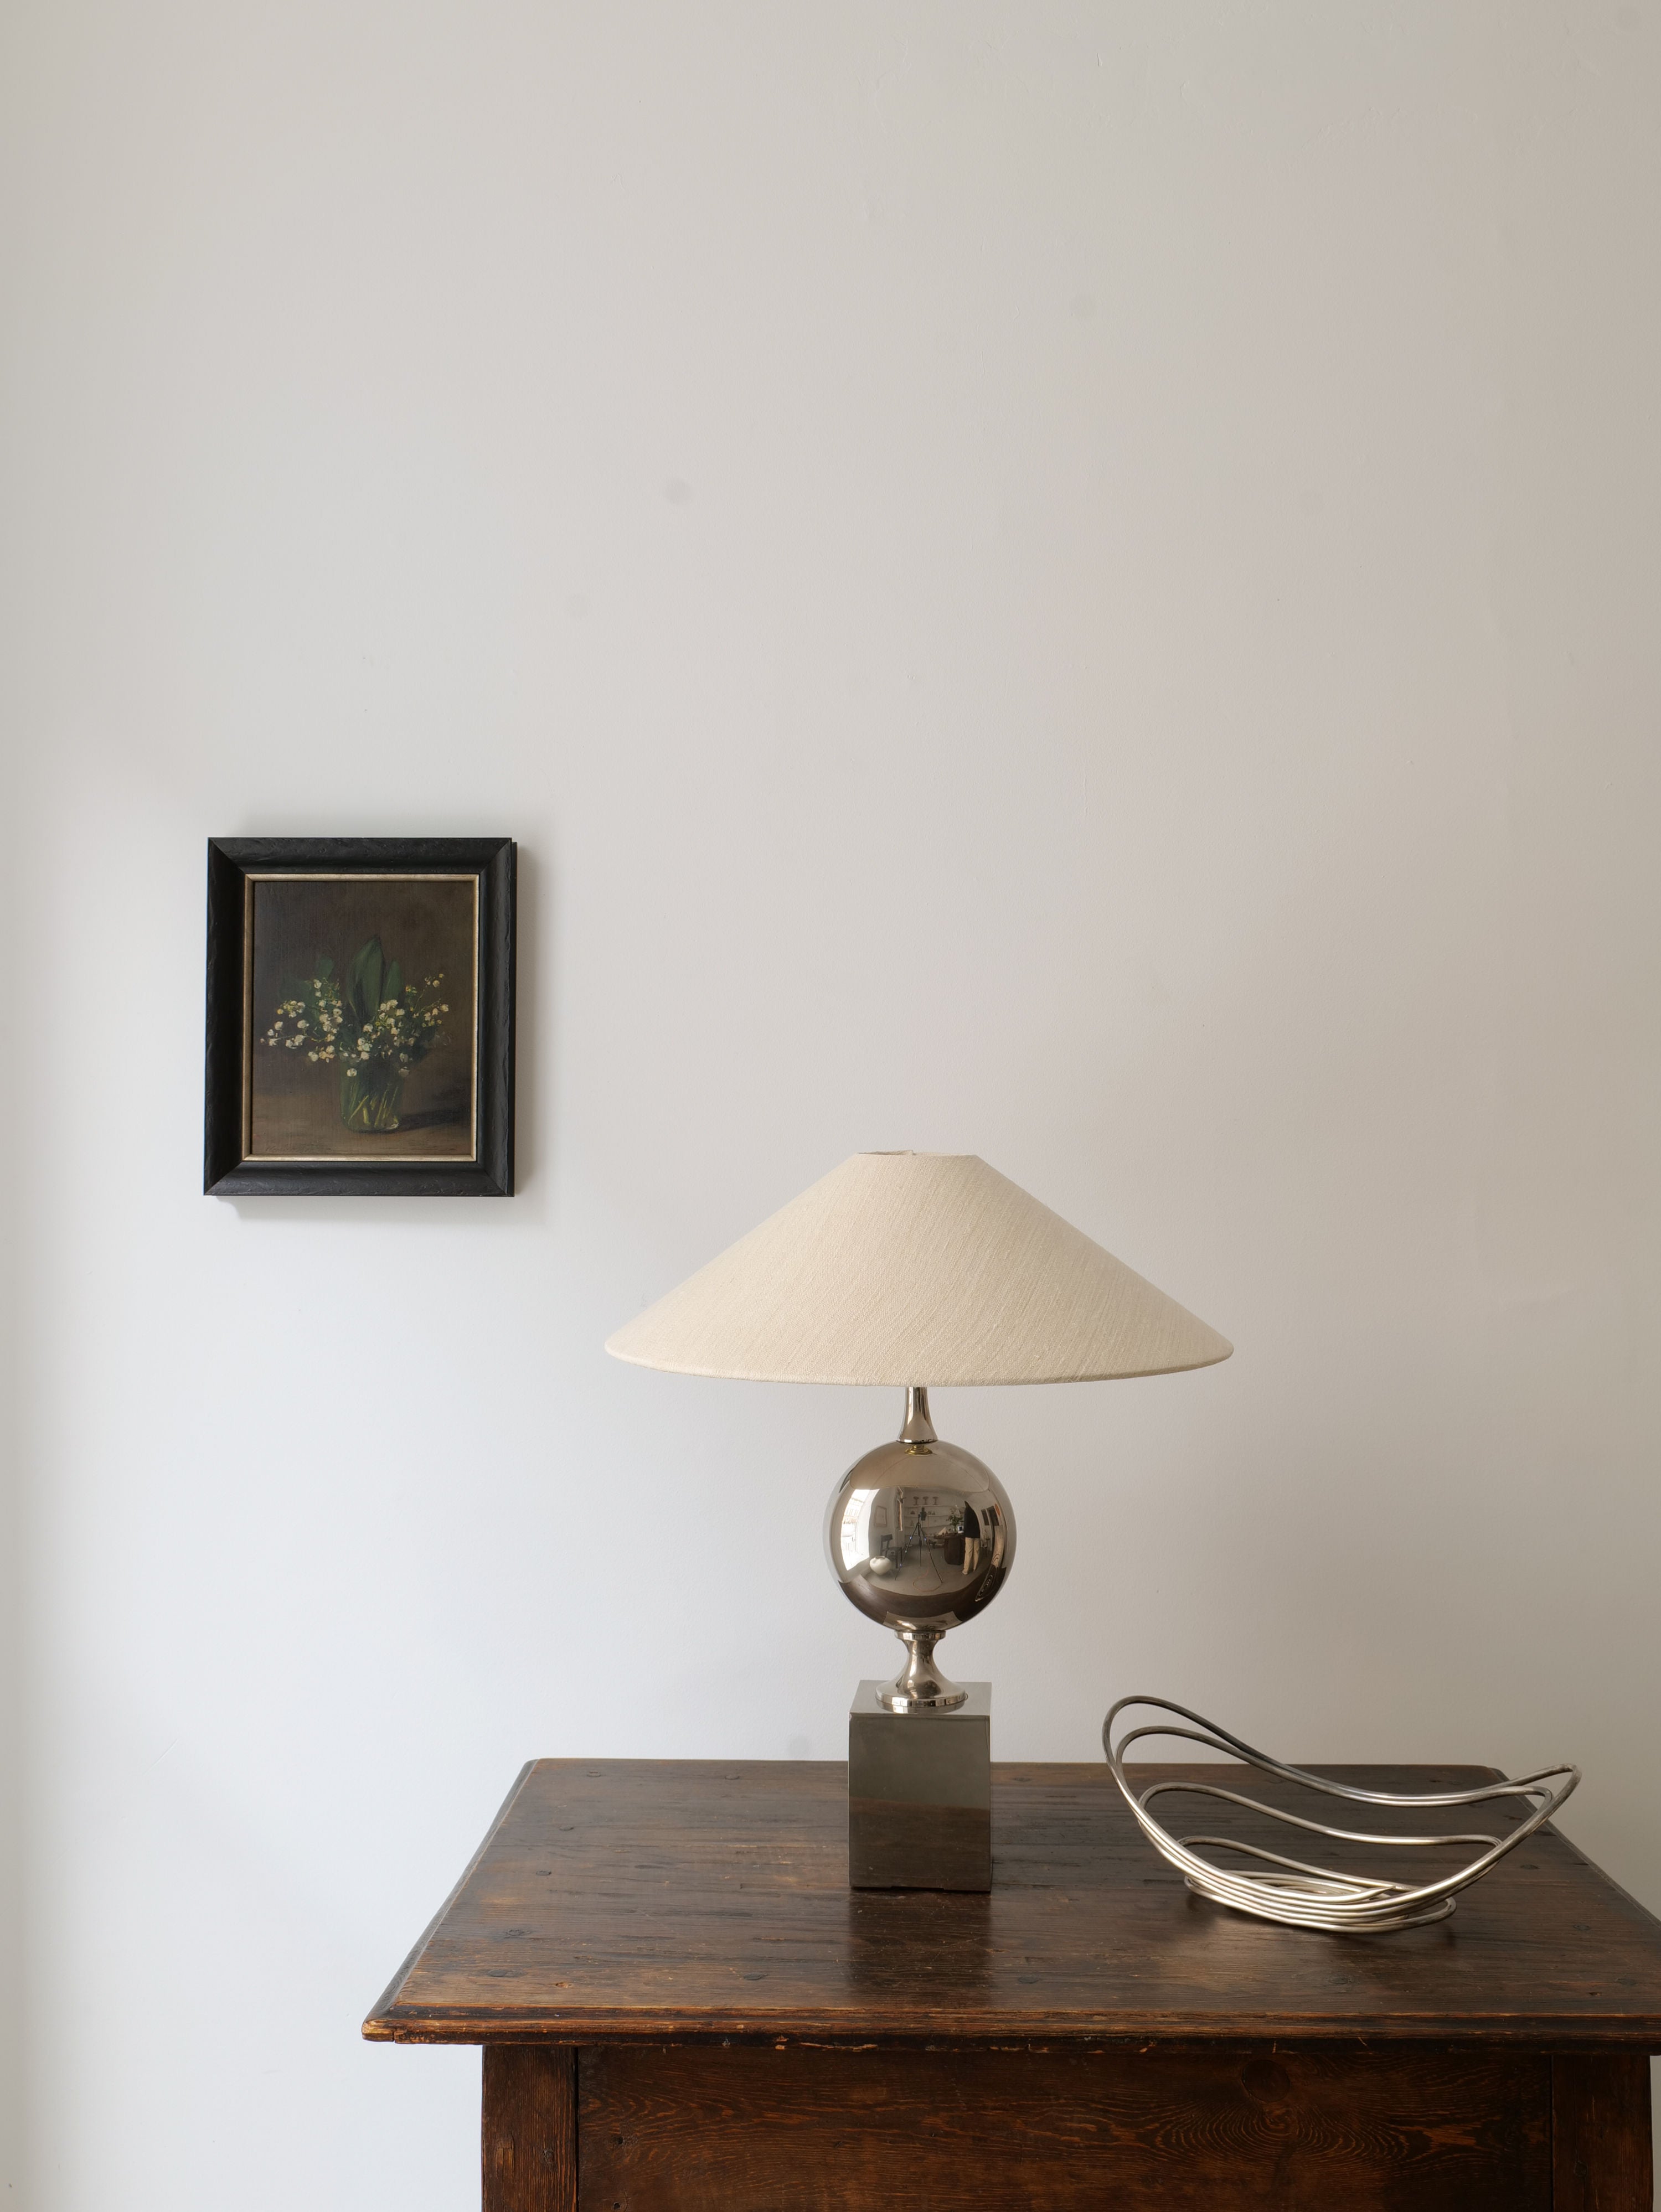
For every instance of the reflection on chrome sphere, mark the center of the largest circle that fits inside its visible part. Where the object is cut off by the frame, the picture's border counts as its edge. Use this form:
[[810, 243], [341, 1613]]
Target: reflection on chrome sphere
[[920, 1536]]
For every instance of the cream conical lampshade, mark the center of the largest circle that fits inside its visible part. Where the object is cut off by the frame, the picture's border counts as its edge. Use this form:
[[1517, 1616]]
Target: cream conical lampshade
[[917, 1268]]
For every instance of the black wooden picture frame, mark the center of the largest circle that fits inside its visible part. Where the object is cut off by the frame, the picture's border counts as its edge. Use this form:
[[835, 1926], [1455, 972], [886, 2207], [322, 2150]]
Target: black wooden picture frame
[[235, 1032]]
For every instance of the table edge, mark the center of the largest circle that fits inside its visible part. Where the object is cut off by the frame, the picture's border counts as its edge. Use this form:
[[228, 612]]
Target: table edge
[[387, 1999], [1169, 2029]]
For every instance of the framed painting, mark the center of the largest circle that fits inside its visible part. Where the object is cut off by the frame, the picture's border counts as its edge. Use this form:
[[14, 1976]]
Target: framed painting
[[360, 1017]]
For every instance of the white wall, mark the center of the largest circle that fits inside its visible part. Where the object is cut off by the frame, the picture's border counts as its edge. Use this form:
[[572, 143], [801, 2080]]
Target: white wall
[[1071, 581]]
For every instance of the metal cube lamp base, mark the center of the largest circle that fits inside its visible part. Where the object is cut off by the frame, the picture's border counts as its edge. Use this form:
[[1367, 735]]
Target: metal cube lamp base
[[920, 1793]]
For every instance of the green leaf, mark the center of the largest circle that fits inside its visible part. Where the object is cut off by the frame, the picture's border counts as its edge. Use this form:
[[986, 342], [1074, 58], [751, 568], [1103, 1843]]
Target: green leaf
[[366, 972], [323, 965], [393, 985]]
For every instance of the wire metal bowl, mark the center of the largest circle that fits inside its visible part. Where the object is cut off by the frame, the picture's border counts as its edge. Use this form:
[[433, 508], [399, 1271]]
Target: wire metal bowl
[[1295, 1893]]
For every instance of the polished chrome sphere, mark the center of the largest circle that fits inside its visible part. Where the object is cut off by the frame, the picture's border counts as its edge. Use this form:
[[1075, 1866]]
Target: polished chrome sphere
[[921, 1536]]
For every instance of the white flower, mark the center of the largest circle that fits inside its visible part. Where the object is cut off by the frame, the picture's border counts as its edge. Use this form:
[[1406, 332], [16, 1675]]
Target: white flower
[[311, 1056]]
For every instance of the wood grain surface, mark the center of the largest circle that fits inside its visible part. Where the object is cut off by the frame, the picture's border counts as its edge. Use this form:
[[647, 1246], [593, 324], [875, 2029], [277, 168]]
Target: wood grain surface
[[1600, 2153], [652, 1900], [528, 2131], [1301, 2130]]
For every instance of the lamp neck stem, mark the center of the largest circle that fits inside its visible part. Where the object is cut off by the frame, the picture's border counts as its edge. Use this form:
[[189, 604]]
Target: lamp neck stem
[[919, 1429]]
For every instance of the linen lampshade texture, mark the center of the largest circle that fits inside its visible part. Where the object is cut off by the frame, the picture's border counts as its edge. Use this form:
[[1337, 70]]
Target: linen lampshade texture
[[917, 1268]]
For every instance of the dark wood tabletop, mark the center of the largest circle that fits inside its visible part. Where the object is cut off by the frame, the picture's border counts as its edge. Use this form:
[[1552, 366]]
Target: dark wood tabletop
[[619, 1902]]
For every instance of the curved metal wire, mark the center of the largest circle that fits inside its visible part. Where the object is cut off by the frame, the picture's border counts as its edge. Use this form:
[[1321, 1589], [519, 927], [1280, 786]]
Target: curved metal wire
[[1301, 1895]]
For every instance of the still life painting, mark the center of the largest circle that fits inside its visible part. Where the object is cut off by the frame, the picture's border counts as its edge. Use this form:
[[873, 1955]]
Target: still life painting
[[370, 1045], [364, 1049]]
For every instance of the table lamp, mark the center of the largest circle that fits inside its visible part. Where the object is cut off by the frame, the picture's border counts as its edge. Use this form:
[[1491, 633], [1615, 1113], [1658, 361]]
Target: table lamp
[[918, 1269]]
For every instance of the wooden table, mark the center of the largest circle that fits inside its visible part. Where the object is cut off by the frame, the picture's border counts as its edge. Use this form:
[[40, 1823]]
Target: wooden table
[[682, 2005]]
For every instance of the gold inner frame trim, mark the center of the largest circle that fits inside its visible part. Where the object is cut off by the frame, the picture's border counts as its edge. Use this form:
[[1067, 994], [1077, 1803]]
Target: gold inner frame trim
[[351, 876]]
